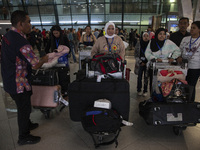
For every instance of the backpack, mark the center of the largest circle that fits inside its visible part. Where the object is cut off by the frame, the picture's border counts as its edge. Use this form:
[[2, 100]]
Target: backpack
[[106, 63], [101, 122]]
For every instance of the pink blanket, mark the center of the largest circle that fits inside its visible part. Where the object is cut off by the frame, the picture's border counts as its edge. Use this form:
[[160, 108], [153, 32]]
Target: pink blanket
[[53, 57]]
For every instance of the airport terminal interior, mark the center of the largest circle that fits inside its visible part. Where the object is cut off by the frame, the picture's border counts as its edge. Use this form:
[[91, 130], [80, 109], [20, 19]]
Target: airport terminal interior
[[59, 132]]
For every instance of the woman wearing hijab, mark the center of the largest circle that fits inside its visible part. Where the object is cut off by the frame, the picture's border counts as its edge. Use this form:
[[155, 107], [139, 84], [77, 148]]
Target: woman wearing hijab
[[109, 43], [159, 48], [88, 39], [141, 48], [190, 47]]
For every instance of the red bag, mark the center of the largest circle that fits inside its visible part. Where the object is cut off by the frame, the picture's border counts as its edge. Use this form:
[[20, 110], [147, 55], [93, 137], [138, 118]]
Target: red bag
[[128, 70], [170, 73]]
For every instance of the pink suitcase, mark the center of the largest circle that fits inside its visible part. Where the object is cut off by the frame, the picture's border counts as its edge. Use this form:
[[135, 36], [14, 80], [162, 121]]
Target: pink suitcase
[[45, 96]]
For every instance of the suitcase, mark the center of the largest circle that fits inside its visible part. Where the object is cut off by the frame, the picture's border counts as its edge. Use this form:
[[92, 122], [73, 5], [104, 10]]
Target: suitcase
[[45, 96], [161, 113], [83, 93], [47, 77]]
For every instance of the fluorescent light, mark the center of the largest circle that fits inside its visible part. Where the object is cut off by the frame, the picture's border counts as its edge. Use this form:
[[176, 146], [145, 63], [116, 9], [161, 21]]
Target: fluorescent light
[[5, 23], [126, 21], [67, 21], [44, 22], [171, 1]]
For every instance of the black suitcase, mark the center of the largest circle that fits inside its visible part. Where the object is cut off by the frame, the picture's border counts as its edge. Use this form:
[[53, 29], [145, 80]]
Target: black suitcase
[[161, 113], [48, 77], [82, 95], [64, 78]]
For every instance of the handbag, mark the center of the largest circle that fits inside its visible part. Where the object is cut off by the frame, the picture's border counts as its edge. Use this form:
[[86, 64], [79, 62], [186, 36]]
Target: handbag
[[177, 91], [137, 65]]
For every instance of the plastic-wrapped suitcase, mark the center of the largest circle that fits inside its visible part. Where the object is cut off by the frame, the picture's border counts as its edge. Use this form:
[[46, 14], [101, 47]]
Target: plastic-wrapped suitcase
[[83, 93], [45, 98], [179, 115]]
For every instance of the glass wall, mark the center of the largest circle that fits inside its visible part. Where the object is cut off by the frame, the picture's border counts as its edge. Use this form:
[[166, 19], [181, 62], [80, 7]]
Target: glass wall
[[125, 14]]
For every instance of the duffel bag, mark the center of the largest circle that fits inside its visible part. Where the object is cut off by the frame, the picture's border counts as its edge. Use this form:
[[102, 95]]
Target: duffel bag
[[48, 77], [106, 63]]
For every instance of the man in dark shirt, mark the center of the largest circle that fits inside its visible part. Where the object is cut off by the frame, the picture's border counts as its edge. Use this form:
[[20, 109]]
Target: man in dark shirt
[[18, 60], [182, 32]]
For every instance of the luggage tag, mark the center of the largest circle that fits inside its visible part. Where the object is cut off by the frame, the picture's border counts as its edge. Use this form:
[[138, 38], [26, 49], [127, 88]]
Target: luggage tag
[[162, 56], [189, 53]]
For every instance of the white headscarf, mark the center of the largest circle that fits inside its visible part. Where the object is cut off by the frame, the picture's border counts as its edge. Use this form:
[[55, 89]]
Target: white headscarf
[[106, 27]]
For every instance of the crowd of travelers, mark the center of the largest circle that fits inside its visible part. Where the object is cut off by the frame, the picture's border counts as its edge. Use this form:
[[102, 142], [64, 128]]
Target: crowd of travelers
[[150, 45]]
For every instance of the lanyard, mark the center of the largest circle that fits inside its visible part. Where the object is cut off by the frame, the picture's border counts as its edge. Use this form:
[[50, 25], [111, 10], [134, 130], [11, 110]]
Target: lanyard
[[159, 46], [87, 38], [57, 43], [143, 51], [193, 42], [109, 44]]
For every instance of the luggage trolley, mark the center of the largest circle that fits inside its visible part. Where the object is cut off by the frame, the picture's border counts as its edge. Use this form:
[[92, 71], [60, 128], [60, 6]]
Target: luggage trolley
[[84, 53], [177, 113], [49, 85]]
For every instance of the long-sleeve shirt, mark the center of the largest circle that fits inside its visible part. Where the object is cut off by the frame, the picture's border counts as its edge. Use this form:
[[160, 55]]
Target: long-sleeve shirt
[[194, 59], [168, 47], [101, 46]]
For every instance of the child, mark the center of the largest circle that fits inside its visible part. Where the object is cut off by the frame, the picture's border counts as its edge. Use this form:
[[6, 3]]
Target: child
[[141, 48]]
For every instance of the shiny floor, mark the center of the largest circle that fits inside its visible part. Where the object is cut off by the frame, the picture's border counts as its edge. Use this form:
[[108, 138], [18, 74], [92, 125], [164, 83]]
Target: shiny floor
[[60, 133]]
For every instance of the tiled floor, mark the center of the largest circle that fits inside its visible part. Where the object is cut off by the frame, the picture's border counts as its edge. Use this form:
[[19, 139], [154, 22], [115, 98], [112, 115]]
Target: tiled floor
[[60, 133]]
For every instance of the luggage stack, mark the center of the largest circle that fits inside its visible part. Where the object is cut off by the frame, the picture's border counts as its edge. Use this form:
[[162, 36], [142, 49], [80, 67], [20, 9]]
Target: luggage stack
[[170, 102], [48, 85], [89, 87]]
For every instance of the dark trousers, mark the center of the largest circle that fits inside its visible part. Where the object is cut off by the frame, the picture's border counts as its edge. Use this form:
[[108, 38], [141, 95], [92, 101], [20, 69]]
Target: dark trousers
[[141, 73], [192, 78], [23, 103]]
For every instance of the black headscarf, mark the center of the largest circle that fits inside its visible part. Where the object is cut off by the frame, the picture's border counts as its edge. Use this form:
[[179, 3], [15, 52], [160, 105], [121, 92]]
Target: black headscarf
[[143, 43], [153, 46]]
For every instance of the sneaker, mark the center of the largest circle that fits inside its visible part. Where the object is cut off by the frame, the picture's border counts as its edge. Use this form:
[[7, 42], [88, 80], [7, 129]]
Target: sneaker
[[145, 94], [139, 93], [1, 84], [30, 139], [33, 126]]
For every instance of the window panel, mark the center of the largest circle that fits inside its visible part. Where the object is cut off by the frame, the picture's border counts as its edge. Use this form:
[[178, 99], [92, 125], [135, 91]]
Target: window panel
[[30, 2], [80, 19], [47, 10], [79, 9], [47, 15]]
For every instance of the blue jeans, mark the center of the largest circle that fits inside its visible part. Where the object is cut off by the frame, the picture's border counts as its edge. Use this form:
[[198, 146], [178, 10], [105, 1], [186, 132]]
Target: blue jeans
[[72, 51], [141, 73]]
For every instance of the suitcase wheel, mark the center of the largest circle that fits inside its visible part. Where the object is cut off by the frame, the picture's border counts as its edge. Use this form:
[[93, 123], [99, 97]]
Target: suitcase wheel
[[156, 108], [157, 122], [178, 129], [46, 113]]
